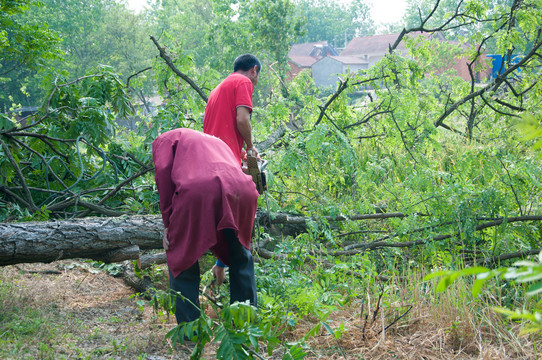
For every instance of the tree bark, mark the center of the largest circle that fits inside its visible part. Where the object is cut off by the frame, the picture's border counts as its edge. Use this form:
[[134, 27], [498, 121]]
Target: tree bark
[[149, 260], [105, 239]]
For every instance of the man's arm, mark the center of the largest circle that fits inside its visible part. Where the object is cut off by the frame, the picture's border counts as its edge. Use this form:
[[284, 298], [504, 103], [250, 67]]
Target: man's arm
[[244, 127]]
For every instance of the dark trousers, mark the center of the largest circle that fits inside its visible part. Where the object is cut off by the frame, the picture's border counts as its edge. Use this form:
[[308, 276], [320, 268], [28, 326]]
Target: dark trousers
[[242, 281]]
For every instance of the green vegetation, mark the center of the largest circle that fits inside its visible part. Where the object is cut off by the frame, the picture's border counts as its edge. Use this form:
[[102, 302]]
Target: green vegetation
[[404, 171]]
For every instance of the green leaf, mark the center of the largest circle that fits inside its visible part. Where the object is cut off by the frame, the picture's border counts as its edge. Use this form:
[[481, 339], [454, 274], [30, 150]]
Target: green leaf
[[294, 353], [477, 287], [312, 332], [329, 329], [536, 275], [473, 270], [534, 289], [525, 263], [436, 274]]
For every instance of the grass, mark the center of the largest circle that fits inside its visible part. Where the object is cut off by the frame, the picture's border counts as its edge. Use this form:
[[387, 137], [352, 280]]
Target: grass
[[74, 314], [92, 315]]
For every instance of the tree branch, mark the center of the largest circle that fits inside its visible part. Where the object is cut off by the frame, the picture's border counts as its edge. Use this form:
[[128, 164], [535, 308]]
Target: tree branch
[[76, 202], [491, 86], [342, 86], [497, 259], [136, 74], [29, 201], [172, 66], [379, 243]]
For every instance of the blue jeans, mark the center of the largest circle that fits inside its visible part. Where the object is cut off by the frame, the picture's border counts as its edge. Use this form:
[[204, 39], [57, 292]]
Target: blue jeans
[[242, 281]]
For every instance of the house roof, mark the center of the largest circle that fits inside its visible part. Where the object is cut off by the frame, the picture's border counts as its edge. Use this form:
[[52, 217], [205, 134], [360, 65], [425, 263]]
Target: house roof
[[349, 60], [378, 44], [305, 49], [304, 61], [304, 55]]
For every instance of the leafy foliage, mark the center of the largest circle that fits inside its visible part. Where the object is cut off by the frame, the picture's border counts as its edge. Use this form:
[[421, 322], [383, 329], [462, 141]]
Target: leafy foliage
[[335, 22], [405, 167], [24, 46], [238, 330]]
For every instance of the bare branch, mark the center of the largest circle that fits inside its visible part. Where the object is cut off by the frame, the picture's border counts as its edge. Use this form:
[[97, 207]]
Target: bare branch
[[368, 117], [503, 103], [495, 109], [172, 66], [343, 84], [136, 74], [271, 139], [45, 139], [15, 196], [85, 204], [503, 257], [29, 201], [380, 243], [45, 162], [403, 139]]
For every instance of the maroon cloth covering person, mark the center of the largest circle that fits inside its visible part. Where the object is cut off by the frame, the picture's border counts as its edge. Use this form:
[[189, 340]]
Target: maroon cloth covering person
[[202, 191], [220, 117]]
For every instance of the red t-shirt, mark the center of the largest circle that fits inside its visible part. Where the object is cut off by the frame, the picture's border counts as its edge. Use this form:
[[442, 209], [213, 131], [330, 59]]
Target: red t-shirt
[[221, 112]]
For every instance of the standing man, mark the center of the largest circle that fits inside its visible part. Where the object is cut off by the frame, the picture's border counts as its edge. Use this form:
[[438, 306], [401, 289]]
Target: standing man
[[207, 203], [227, 116]]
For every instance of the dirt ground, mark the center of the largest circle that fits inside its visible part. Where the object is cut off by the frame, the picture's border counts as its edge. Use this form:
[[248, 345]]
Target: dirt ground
[[86, 314]]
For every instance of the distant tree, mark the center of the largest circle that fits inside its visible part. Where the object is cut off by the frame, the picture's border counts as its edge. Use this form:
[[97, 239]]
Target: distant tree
[[275, 26], [462, 18], [70, 37], [25, 46], [335, 22], [214, 32], [96, 32]]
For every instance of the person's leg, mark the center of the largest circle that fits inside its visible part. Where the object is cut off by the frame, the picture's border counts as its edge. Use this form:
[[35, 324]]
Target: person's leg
[[242, 279], [187, 283]]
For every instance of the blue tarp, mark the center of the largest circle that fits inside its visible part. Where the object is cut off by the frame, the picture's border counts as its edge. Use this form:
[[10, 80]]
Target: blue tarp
[[500, 63]]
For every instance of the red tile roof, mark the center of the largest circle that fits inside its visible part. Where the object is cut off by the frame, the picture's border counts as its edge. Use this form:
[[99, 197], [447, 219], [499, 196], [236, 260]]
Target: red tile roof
[[304, 49], [376, 45], [304, 61]]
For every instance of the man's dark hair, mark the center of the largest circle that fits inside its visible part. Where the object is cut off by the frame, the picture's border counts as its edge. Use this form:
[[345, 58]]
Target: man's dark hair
[[246, 62]]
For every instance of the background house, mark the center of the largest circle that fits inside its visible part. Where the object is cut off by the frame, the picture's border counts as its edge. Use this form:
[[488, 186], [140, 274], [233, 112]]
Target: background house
[[363, 52], [303, 56], [373, 48], [325, 71]]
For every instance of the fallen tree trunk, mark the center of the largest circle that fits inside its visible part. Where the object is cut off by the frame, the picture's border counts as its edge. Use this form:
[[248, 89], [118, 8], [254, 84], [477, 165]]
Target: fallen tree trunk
[[115, 239], [109, 239], [105, 239]]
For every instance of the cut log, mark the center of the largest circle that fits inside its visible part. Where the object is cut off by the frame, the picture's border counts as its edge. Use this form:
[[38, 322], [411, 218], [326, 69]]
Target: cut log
[[146, 261], [105, 239], [142, 285], [122, 254]]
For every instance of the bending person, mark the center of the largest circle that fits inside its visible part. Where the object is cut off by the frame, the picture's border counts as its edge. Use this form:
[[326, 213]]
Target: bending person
[[207, 203]]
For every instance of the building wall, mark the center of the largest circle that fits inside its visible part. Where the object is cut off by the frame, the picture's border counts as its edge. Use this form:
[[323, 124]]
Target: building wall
[[459, 64], [324, 72], [483, 66], [294, 70]]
